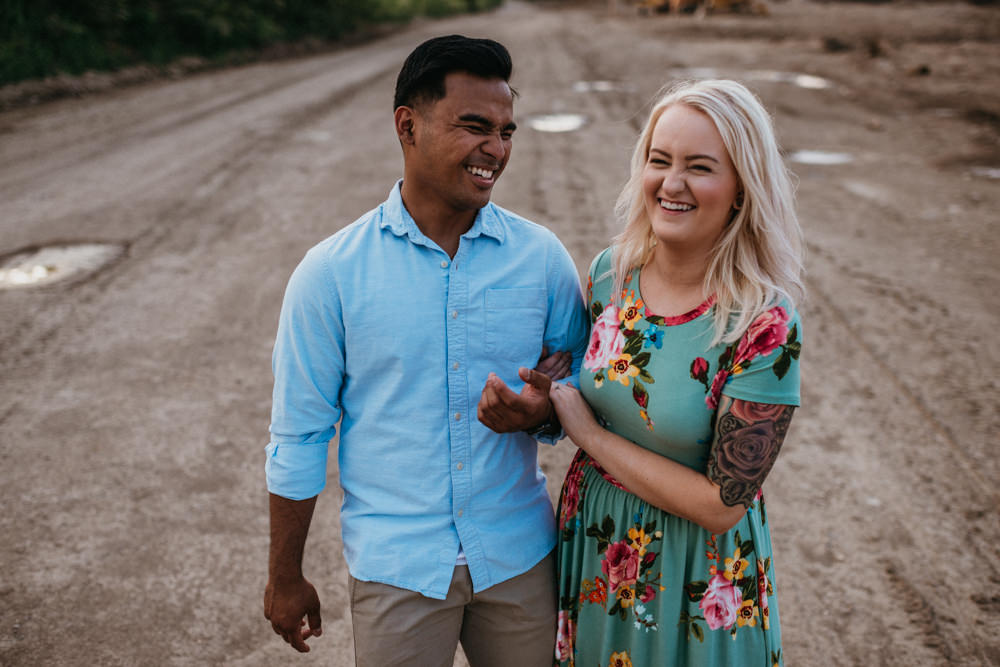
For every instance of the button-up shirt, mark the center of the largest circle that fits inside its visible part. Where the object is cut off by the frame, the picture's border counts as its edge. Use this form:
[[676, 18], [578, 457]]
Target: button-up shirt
[[382, 331]]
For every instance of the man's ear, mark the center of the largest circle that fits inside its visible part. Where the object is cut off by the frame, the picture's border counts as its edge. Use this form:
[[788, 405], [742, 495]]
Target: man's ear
[[404, 119]]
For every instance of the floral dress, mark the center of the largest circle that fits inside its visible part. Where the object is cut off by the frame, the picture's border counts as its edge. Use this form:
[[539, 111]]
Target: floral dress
[[639, 586]]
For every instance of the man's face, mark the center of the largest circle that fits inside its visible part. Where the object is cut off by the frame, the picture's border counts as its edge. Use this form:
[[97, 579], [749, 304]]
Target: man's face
[[460, 144]]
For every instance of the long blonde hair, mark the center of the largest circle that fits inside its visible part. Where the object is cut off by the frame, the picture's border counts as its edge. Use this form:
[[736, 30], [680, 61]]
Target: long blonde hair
[[757, 261]]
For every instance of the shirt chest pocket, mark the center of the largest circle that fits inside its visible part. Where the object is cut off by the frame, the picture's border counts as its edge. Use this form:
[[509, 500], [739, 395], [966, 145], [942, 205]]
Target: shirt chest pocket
[[515, 323]]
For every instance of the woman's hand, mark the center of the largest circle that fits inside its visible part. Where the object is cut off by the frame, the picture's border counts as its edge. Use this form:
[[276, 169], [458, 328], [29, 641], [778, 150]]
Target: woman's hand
[[575, 415]]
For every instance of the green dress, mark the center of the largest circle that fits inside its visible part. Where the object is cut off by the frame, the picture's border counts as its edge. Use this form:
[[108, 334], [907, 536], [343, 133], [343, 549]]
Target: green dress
[[637, 585]]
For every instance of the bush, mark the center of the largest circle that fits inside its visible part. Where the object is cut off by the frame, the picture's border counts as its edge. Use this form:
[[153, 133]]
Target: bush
[[39, 38]]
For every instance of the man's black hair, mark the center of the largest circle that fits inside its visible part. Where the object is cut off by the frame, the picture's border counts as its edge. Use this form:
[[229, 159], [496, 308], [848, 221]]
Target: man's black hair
[[422, 77]]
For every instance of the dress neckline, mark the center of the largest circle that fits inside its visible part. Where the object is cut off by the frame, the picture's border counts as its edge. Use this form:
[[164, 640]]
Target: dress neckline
[[671, 320]]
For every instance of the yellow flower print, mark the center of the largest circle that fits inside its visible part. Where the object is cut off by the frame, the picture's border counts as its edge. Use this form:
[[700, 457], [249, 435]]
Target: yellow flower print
[[631, 311], [746, 614], [620, 660], [626, 596], [639, 540], [621, 369], [735, 566]]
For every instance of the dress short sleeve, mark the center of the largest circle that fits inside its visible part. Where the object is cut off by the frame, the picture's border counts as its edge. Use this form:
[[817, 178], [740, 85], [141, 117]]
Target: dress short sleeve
[[764, 364]]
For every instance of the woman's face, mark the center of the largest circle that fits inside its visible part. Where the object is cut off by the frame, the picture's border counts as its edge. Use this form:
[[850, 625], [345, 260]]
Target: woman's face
[[689, 182]]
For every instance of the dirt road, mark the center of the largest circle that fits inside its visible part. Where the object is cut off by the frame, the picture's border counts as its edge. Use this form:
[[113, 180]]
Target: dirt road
[[134, 401]]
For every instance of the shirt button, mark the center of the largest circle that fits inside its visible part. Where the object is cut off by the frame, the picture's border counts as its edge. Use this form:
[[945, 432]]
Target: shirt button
[[459, 466], [458, 416], [460, 513], [444, 264], [454, 314], [454, 366]]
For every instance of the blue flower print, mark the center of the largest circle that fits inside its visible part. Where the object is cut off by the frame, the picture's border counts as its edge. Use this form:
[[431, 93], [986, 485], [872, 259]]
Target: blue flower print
[[654, 336]]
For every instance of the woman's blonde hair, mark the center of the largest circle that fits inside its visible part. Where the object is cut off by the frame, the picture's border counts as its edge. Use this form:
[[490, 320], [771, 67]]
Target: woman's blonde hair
[[757, 261]]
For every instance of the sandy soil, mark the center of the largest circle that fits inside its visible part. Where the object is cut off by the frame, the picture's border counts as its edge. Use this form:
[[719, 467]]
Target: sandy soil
[[134, 401]]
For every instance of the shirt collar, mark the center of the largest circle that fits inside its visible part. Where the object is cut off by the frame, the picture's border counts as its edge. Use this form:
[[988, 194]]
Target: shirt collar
[[488, 221]]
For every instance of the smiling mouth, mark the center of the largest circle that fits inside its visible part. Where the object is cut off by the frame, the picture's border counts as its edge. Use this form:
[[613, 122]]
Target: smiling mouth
[[675, 206], [480, 172]]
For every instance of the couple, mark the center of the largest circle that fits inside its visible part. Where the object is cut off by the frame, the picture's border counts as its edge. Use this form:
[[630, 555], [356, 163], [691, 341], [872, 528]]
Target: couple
[[415, 328]]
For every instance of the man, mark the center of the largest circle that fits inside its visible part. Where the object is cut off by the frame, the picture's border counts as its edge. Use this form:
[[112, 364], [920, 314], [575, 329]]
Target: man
[[413, 327]]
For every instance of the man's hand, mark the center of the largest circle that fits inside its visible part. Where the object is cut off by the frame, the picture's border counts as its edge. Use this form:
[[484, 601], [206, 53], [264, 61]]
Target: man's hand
[[287, 604], [289, 598], [503, 411], [557, 365]]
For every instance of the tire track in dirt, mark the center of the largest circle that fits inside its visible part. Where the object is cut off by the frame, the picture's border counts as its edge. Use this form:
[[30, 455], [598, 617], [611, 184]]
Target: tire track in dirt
[[143, 132], [33, 337], [562, 191], [573, 178], [967, 464], [923, 615], [937, 496]]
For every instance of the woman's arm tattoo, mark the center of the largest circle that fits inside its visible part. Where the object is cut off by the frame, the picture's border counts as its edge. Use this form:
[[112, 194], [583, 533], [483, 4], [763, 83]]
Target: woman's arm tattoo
[[747, 439]]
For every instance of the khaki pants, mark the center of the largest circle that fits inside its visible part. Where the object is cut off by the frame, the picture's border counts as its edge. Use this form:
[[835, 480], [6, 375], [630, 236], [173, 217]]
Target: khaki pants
[[512, 624]]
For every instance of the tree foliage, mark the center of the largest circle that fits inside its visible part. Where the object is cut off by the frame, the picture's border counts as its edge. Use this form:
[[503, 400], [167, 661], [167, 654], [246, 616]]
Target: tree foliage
[[39, 38]]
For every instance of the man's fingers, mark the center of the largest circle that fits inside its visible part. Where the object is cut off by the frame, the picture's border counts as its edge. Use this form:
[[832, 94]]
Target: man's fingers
[[539, 381], [315, 623], [563, 368], [486, 410], [297, 641], [503, 396], [546, 361]]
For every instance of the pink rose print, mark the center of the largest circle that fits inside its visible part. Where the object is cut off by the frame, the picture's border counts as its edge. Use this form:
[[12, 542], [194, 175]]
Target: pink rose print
[[699, 370], [718, 382], [620, 565], [764, 336], [606, 340], [571, 495], [720, 603], [564, 637]]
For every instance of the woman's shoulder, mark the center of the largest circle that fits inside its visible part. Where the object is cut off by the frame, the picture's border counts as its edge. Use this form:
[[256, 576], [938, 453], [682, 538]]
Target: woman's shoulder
[[600, 277], [774, 336], [601, 263], [782, 313]]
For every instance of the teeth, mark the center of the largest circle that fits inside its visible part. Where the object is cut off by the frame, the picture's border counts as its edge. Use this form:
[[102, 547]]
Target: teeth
[[670, 206], [479, 172]]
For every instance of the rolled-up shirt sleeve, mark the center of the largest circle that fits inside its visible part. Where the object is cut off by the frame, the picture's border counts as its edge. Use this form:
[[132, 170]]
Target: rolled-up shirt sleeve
[[308, 367]]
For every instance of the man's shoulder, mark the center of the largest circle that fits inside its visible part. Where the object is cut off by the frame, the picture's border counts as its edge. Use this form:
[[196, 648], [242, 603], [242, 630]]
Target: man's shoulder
[[522, 227], [352, 237]]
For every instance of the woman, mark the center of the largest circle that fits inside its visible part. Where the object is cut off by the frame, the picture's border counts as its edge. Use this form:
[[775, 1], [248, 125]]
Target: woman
[[691, 378]]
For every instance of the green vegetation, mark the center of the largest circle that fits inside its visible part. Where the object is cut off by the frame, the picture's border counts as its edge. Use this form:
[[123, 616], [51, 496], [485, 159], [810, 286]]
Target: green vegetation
[[39, 38]]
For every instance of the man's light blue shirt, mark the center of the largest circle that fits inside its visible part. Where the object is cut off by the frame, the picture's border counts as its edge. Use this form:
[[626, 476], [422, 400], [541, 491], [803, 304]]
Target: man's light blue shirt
[[384, 332]]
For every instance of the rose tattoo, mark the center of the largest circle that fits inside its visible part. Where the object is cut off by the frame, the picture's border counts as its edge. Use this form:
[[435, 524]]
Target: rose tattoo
[[748, 437]]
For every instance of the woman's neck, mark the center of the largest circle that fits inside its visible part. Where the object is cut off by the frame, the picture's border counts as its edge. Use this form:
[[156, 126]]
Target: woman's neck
[[673, 284]]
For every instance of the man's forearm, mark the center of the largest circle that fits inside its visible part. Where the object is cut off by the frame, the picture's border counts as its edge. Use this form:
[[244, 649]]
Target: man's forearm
[[290, 521]]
